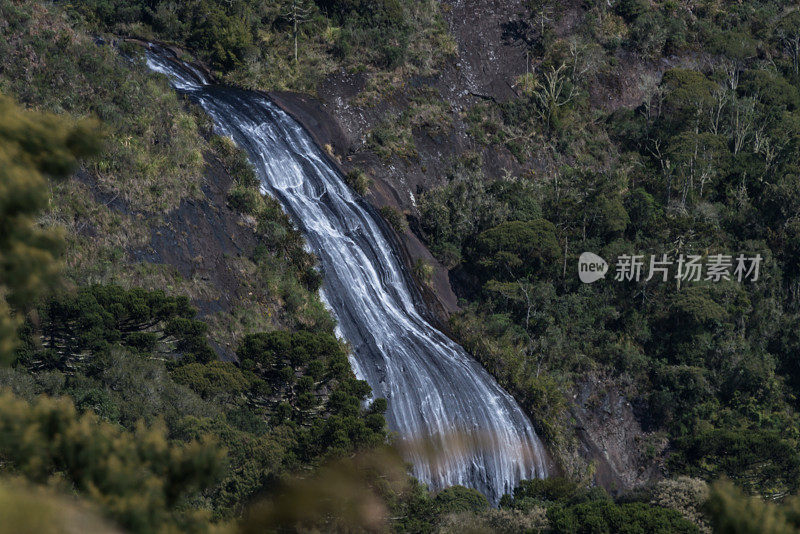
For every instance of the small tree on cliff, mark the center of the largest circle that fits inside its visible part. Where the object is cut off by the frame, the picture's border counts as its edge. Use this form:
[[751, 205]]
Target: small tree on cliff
[[298, 12]]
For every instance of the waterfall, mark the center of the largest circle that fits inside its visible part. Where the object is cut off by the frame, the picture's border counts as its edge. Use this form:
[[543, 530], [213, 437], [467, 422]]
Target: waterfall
[[458, 424]]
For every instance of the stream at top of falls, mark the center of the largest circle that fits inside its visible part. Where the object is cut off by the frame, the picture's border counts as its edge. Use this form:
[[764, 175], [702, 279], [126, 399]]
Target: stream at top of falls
[[440, 398]]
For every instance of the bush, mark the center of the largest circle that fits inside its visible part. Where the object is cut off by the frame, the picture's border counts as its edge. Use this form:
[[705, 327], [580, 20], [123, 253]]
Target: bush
[[244, 200], [630, 10], [152, 157], [606, 516], [460, 499], [392, 138], [649, 34], [449, 254], [215, 379], [539, 491], [684, 495], [423, 272], [235, 162], [395, 218], [359, 181], [517, 248]]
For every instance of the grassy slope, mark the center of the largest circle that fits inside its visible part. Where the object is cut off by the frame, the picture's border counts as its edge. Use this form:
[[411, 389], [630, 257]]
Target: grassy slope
[[157, 156]]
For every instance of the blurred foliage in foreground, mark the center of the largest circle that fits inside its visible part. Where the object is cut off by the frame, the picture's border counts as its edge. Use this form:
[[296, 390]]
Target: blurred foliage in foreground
[[32, 146], [139, 478]]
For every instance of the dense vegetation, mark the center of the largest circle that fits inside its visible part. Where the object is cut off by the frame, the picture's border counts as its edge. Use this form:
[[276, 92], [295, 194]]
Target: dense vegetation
[[123, 395], [706, 165], [132, 356], [290, 43]]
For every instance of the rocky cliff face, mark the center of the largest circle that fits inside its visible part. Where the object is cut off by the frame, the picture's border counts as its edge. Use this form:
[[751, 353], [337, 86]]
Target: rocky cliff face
[[202, 245], [485, 68], [609, 433]]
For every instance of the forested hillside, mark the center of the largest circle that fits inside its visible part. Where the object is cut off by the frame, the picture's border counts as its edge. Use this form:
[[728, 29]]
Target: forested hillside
[[168, 364], [705, 165]]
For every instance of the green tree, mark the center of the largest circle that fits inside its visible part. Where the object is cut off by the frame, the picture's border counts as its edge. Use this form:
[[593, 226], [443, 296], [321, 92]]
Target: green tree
[[518, 249], [687, 94], [95, 318], [225, 36], [138, 478]]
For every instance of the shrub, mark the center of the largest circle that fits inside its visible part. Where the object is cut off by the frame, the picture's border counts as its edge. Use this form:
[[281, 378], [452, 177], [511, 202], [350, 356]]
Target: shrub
[[423, 271], [517, 248], [553, 489], [460, 499], [244, 200], [684, 495], [649, 34], [395, 218], [631, 9], [359, 181], [213, 379], [449, 254], [607, 516], [235, 161], [392, 138]]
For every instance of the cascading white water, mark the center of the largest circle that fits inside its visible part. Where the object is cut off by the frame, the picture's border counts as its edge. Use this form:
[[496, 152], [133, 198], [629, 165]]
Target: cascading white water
[[461, 426]]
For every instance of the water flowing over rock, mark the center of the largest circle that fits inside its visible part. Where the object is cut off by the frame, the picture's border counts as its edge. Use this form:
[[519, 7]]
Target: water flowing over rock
[[457, 423]]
